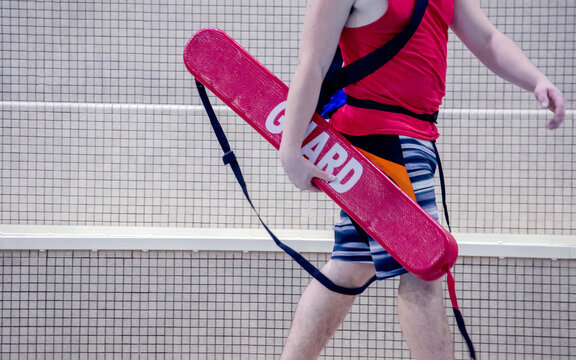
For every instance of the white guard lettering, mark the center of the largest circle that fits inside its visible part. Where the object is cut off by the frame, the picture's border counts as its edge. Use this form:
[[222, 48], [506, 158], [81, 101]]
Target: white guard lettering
[[313, 148], [275, 120], [354, 167], [310, 128], [335, 157]]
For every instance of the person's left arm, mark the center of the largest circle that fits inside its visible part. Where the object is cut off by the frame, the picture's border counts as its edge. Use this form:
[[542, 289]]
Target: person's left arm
[[503, 57]]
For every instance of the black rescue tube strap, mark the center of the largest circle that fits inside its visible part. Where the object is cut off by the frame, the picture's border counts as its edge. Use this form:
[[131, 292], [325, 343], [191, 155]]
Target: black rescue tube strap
[[230, 158], [451, 283], [442, 185]]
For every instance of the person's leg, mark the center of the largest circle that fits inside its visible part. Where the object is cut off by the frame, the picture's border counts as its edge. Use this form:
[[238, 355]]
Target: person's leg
[[422, 316], [321, 311]]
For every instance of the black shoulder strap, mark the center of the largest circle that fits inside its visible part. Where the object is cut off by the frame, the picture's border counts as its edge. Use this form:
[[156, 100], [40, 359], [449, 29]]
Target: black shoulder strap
[[341, 77]]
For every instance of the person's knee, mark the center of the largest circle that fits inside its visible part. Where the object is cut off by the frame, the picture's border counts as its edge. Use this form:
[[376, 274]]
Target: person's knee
[[347, 273], [416, 290]]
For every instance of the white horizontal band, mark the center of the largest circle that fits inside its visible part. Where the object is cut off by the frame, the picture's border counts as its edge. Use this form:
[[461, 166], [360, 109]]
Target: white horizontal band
[[223, 108], [34, 237]]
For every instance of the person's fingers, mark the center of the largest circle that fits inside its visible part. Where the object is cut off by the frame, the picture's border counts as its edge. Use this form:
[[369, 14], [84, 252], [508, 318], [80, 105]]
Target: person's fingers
[[558, 107], [552, 99]]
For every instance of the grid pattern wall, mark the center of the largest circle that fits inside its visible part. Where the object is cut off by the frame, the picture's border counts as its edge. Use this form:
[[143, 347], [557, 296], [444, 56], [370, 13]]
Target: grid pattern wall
[[234, 305], [100, 124]]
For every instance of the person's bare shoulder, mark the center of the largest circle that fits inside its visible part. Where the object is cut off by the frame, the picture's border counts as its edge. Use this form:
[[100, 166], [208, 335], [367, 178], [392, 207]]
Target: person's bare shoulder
[[365, 12]]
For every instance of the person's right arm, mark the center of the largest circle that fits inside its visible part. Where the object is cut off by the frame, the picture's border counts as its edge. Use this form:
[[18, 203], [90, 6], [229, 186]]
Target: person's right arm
[[323, 23]]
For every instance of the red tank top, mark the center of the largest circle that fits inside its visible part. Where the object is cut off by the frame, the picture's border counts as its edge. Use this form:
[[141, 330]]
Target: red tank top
[[414, 79]]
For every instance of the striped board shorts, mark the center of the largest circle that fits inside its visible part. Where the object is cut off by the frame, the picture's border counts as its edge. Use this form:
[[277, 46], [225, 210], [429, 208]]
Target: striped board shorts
[[411, 163]]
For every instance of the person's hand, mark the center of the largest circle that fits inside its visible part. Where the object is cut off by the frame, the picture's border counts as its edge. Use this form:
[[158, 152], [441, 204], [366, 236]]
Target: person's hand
[[301, 171], [549, 97]]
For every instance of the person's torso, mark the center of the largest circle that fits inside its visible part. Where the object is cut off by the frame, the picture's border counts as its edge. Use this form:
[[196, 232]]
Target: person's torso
[[414, 79]]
